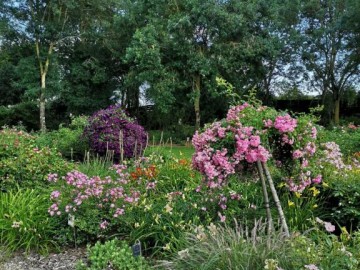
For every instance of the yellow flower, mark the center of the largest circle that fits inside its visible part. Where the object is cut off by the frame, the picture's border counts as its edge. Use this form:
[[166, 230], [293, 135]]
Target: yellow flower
[[147, 207], [157, 217], [315, 191], [291, 203], [324, 184], [315, 205], [168, 209], [345, 236], [282, 184], [297, 194], [167, 247]]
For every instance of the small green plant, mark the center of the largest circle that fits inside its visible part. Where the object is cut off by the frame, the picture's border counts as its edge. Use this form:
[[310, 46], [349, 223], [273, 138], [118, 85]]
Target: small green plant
[[24, 221], [114, 254]]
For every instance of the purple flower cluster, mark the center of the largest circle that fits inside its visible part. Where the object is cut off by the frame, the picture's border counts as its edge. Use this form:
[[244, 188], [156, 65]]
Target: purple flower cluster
[[107, 127]]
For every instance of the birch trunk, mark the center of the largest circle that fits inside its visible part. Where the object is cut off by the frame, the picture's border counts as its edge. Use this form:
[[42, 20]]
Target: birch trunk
[[42, 103]]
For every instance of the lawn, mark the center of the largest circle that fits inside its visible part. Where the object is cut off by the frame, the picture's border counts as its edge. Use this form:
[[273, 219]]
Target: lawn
[[176, 151]]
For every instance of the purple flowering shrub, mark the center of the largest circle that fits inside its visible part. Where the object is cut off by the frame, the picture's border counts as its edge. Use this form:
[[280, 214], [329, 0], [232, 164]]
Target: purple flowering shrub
[[257, 133], [104, 133]]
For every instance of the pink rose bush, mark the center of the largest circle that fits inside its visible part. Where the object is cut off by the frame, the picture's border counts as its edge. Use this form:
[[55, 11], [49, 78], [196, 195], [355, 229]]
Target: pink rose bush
[[258, 133]]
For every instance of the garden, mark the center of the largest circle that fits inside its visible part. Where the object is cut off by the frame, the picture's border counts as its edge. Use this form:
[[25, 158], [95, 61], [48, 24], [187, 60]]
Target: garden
[[260, 189]]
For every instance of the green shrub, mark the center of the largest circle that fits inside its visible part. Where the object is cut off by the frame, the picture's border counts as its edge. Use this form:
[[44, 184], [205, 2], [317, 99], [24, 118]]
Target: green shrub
[[25, 222], [114, 254], [69, 141], [23, 164]]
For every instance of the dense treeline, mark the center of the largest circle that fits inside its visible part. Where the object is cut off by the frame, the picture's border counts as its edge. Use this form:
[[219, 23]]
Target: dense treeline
[[190, 59]]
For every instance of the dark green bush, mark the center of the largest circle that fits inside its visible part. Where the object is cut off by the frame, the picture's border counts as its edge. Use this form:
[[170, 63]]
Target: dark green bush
[[25, 113]]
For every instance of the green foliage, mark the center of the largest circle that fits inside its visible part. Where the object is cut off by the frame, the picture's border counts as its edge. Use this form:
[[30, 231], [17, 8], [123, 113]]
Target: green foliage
[[69, 141], [244, 248], [24, 113], [25, 223], [23, 164], [177, 134], [300, 209], [342, 199], [115, 254], [347, 138], [327, 251]]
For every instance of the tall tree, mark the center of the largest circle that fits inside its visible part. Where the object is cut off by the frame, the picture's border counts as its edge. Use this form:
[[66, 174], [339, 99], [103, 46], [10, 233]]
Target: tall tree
[[47, 24], [186, 44], [328, 48]]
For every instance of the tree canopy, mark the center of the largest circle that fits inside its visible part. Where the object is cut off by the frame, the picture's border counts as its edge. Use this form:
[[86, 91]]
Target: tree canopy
[[79, 56]]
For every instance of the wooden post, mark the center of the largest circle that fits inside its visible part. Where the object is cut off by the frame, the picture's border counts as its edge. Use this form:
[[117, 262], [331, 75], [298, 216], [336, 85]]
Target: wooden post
[[276, 199], [266, 197]]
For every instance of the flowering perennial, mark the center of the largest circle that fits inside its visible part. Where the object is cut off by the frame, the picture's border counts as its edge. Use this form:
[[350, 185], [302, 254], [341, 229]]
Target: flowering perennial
[[110, 195], [250, 134]]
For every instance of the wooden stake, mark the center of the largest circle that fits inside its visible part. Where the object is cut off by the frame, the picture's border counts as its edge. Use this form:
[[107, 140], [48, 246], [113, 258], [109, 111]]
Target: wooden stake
[[276, 199], [266, 197]]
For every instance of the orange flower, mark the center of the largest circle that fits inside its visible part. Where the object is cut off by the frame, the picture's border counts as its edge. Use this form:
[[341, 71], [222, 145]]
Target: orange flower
[[134, 175], [183, 162]]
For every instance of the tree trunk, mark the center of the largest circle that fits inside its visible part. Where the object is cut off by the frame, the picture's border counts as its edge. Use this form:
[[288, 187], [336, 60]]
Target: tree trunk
[[44, 67], [42, 103], [197, 101], [337, 111]]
